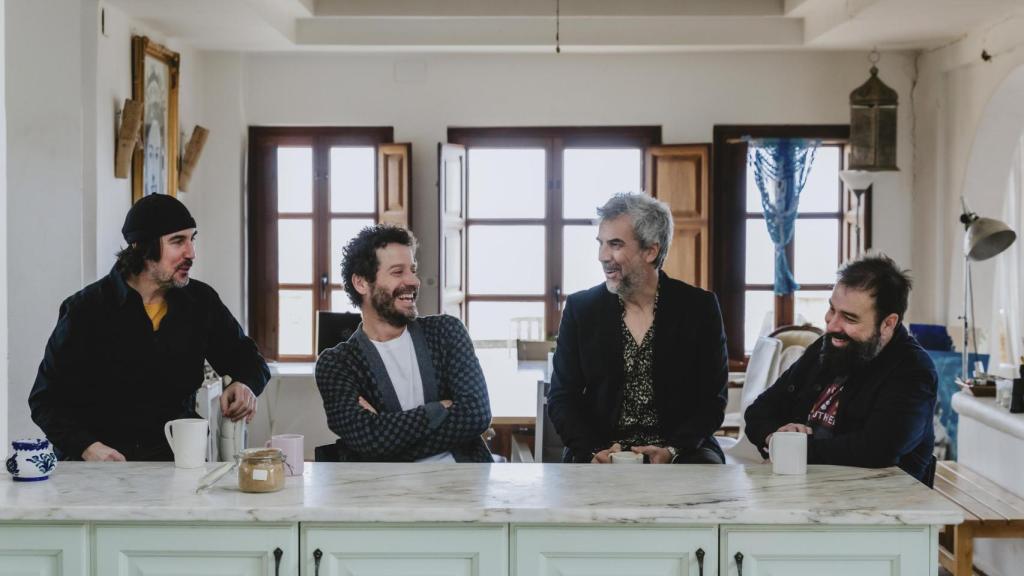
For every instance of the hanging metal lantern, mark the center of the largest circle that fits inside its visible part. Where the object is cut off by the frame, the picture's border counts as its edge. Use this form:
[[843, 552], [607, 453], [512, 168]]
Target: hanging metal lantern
[[873, 108]]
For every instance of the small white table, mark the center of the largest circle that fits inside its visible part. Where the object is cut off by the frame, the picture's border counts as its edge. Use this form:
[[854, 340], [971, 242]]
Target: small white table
[[990, 441]]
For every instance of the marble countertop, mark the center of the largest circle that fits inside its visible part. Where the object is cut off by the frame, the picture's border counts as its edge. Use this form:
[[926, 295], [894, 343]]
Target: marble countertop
[[535, 493], [986, 410]]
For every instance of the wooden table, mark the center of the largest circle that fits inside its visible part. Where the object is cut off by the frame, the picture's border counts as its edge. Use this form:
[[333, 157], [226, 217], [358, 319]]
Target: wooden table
[[989, 512]]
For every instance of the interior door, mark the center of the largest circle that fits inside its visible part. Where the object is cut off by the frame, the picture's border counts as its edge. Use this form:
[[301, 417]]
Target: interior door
[[678, 175], [451, 188]]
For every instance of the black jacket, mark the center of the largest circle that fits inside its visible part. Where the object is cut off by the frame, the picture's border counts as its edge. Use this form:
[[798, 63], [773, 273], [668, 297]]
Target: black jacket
[[107, 376], [690, 369], [885, 409]]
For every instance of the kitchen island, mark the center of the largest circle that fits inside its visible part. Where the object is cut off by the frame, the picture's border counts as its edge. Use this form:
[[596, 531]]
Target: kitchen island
[[519, 519]]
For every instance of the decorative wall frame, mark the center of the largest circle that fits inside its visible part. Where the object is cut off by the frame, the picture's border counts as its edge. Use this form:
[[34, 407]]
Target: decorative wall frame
[[155, 84]]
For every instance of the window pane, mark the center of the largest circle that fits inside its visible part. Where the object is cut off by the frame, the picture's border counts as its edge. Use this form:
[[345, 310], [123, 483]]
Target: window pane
[[580, 268], [294, 179], [352, 179], [506, 259], [342, 231], [760, 254], [295, 322], [493, 320], [753, 194], [341, 303], [810, 307], [816, 251], [295, 251], [821, 192], [759, 316], [506, 183], [592, 176]]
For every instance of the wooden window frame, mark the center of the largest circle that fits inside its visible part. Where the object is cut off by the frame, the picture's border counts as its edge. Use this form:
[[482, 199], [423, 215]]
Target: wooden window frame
[[729, 231], [554, 140], [262, 219]]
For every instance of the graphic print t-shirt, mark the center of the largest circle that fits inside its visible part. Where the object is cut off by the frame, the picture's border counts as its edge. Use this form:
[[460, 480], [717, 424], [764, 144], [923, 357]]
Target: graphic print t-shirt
[[824, 412]]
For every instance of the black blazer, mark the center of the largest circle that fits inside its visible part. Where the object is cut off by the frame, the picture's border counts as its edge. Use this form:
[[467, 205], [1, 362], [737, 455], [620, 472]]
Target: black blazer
[[690, 369], [885, 409]]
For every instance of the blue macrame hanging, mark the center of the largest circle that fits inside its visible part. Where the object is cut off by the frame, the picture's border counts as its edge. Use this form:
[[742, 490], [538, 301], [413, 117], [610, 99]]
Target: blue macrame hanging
[[781, 166]]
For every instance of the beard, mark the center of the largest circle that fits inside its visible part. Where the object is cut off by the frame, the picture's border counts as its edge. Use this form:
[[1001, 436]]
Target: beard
[[627, 284], [383, 303], [169, 281], [854, 356]]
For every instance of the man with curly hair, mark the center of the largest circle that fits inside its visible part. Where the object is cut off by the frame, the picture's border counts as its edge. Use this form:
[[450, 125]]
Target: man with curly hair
[[402, 388]]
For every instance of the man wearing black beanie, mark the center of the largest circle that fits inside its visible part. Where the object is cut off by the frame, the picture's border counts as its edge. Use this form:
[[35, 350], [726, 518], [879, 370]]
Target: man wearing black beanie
[[128, 351]]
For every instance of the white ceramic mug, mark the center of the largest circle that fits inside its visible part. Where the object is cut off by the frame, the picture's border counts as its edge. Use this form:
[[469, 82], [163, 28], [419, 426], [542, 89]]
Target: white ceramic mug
[[291, 445], [788, 452], [187, 437], [627, 458]]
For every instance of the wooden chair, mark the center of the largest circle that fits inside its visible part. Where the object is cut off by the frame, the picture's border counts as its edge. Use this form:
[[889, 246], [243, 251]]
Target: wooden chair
[[989, 512]]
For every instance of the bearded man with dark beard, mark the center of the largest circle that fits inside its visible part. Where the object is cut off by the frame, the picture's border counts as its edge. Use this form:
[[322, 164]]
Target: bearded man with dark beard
[[402, 388], [865, 391], [129, 350]]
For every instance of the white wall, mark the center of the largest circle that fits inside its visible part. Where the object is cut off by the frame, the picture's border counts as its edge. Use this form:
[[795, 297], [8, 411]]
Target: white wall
[[3, 236], [421, 96], [970, 117]]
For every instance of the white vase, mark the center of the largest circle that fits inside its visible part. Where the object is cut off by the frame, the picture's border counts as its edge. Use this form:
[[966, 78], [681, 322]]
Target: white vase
[[33, 459]]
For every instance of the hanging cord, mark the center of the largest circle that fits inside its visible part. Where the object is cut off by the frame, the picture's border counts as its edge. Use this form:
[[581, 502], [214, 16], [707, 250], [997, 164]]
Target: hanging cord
[[558, 26]]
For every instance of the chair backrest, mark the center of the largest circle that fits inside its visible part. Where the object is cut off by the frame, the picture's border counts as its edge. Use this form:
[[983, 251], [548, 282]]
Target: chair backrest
[[762, 370], [334, 327], [792, 335], [546, 441]]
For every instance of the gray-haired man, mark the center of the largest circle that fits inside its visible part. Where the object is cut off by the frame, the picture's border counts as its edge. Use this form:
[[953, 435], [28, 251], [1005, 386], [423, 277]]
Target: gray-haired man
[[641, 361]]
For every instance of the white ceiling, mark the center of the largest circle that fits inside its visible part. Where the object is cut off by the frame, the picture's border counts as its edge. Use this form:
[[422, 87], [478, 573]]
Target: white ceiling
[[585, 25]]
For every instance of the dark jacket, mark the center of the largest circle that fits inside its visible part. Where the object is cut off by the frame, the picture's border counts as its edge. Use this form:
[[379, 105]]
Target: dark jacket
[[690, 369], [449, 370], [107, 376], [885, 409]]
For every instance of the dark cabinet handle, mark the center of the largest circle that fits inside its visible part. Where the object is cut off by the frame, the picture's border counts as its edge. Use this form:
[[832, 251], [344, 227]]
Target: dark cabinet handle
[[739, 563], [278, 553], [317, 555], [700, 561]]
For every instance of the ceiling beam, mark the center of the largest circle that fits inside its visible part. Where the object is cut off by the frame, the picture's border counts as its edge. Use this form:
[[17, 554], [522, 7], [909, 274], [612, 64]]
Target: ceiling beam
[[534, 33], [541, 8]]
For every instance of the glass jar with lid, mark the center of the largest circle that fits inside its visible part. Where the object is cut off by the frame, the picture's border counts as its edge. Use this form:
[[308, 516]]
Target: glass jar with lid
[[261, 470]]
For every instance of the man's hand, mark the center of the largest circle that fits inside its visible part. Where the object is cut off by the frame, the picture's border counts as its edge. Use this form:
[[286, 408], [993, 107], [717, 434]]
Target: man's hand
[[100, 452], [605, 456], [446, 403], [238, 402], [792, 427], [366, 405], [655, 454]]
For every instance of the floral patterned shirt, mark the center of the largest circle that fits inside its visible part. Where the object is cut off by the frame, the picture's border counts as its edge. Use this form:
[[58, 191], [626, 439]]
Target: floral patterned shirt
[[638, 419]]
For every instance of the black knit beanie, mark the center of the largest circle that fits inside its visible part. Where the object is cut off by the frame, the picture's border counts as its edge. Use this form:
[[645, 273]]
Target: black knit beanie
[[155, 215]]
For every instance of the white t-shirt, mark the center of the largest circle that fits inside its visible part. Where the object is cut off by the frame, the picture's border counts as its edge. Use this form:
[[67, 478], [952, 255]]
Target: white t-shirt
[[399, 356]]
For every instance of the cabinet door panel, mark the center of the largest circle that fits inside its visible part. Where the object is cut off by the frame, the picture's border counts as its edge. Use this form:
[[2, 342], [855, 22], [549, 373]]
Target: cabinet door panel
[[771, 551], [222, 550], [390, 550], [37, 550], [613, 551]]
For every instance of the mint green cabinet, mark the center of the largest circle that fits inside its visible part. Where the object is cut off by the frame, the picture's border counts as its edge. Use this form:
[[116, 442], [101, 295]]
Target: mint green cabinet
[[614, 551], [228, 549], [405, 549], [836, 551], [44, 549]]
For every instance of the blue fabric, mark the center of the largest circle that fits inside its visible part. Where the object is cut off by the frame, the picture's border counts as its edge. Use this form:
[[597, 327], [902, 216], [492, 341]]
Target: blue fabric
[[948, 364], [781, 166]]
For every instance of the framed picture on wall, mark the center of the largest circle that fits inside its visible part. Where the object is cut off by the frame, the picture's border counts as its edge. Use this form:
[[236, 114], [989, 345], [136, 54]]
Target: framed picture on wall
[[155, 84]]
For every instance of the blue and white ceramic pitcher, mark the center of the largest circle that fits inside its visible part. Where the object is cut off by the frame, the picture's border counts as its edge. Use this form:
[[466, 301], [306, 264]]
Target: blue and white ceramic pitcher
[[33, 459]]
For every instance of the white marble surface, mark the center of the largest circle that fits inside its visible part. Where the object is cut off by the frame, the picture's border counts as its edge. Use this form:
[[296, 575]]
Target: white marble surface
[[538, 493], [986, 411]]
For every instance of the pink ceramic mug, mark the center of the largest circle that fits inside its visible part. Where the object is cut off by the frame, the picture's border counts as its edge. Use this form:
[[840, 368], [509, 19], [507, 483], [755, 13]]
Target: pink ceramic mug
[[291, 445]]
